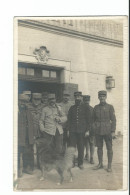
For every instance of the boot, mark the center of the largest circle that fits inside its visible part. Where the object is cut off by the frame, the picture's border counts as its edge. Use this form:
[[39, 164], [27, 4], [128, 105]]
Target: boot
[[87, 157], [110, 155], [100, 155], [91, 160], [91, 153]]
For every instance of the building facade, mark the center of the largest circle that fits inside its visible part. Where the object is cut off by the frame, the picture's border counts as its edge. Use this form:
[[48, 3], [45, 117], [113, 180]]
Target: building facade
[[77, 54]]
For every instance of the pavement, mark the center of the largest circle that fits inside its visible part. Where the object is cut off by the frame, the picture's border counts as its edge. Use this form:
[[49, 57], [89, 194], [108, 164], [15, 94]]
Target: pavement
[[87, 179]]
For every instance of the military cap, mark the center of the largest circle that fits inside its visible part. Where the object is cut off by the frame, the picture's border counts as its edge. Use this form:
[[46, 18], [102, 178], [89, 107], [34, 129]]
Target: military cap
[[78, 93], [23, 97], [27, 92], [102, 93], [51, 96], [86, 97], [65, 92], [44, 93], [37, 95]]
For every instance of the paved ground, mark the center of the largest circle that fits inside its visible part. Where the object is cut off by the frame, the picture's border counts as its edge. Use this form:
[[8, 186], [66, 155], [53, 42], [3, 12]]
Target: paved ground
[[83, 179]]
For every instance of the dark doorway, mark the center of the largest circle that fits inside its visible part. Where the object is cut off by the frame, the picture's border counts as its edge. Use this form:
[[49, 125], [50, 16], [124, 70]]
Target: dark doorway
[[39, 87]]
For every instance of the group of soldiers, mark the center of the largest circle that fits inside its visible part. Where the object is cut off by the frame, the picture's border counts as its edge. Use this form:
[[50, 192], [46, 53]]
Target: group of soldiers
[[64, 124]]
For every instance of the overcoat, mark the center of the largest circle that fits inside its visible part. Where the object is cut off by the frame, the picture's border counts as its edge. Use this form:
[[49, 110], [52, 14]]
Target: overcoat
[[25, 127]]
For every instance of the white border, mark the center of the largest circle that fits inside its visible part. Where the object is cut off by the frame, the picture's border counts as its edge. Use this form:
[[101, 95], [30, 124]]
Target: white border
[[8, 10]]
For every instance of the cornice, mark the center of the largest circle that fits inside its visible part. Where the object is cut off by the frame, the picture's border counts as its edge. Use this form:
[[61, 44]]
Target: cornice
[[68, 32]]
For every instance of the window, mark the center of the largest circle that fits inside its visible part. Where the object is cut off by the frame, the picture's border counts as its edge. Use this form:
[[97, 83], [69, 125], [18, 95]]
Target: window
[[30, 71], [21, 70], [53, 74], [45, 73]]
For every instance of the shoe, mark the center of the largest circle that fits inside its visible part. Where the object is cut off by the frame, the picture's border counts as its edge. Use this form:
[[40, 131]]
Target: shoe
[[81, 167], [99, 166], [91, 161], [109, 170]]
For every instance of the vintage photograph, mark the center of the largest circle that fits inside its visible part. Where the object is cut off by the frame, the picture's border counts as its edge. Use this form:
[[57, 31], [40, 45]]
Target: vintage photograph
[[69, 103]]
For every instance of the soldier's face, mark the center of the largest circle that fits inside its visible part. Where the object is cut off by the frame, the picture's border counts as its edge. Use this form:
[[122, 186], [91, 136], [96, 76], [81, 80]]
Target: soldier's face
[[78, 99], [52, 101], [102, 98], [22, 104], [65, 98], [36, 101], [86, 102], [45, 100], [29, 97]]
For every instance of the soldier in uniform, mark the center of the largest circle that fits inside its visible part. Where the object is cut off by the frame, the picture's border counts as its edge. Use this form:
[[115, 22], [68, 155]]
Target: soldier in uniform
[[78, 126], [25, 137], [36, 109], [105, 125], [89, 140], [65, 106], [51, 123]]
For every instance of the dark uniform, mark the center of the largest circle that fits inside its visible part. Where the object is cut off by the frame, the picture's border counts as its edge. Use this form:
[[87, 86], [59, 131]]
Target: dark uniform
[[89, 140], [78, 124], [105, 125], [36, 111], [25, 138]]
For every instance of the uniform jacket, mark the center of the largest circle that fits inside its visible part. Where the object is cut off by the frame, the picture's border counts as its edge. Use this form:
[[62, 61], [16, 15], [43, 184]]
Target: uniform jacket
[[65, 108], [79, 118], [36, 113], [25, 125], [104, 119], [47, 121]]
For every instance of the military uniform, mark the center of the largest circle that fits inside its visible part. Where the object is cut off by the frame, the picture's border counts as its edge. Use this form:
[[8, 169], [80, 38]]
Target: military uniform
[[25, 138], [78, 125], [105, 125], [36, 113], [51, 124]]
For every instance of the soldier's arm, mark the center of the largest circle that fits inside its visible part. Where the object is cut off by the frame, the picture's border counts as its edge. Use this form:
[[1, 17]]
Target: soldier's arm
[[69, 117], [112, 118], [63, 117], [42, 120]]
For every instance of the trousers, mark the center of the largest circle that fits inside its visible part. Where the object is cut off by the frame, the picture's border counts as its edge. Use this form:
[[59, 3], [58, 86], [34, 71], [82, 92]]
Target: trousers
[[77, 139], [27, 156]]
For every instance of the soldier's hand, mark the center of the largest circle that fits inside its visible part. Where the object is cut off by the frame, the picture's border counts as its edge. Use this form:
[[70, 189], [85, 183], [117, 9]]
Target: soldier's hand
[[113, 135], [87, 134]]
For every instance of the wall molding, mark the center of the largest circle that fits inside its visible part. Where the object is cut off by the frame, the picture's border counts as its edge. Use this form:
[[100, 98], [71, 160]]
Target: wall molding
[[68, 32]]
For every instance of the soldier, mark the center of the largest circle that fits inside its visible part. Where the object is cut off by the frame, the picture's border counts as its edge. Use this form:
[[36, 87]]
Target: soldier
[[45, 99], [36, 109], [105, 125], [89, 140], [25, 137], [65, 106], [51, 123], [78, 125]]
